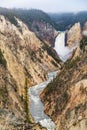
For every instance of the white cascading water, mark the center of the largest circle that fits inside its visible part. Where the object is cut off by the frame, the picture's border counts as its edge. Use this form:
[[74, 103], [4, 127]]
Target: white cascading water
[[63, 51], [37, 107]]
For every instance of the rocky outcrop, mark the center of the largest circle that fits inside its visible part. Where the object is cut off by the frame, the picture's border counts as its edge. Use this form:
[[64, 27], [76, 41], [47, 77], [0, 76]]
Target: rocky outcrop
[[37, 21], [45, 31], [76, 53], [24, 62], [82, 42], [12, 113], [65, 98], [74, 116], [74, 35], [24, 52]]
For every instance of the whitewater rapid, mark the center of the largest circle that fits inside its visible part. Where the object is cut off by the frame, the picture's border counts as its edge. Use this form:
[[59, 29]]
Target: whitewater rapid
[[37, 107], [63, 51]]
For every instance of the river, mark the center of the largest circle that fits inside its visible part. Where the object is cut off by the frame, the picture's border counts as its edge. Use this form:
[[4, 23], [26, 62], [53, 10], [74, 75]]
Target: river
[[37, 107]]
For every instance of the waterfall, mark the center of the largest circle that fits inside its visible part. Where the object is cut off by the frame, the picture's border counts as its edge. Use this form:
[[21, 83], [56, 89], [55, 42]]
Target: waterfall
[[64, 52]]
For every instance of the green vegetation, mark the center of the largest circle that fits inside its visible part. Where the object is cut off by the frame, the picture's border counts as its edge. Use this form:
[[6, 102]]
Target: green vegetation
[[26, 108], [8, 14], [83, 43], [59, 21], [51, 52], [61, 102], [66, 20], [54, 63], [3, 95], [27, 16], [2, 60], [58, 90], [72, 64]]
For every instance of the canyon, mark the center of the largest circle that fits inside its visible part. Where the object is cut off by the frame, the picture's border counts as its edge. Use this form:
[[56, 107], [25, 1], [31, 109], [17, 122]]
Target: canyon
[[65, 98], [24, 62], [27, 55]]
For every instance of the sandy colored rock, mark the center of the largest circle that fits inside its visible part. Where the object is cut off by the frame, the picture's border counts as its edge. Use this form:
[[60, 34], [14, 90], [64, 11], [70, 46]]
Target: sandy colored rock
[[24, 53], [25, 62], [74, 35], [65, 98]]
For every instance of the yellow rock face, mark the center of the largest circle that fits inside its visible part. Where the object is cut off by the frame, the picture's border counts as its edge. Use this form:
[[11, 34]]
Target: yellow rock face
[[65, 98], [77, 103], [74, 35], [27, 64], [24, 54]]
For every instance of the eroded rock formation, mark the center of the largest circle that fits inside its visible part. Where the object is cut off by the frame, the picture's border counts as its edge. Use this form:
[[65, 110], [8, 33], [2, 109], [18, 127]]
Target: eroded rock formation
[[24, 62], [74, 35], [65, 98]]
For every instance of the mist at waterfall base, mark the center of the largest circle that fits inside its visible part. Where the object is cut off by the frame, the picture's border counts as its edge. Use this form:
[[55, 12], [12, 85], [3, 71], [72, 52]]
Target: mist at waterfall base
[[64, 52], [37, 107]]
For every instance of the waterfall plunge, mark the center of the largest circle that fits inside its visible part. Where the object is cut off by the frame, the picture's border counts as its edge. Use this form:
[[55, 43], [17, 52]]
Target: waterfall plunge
[[63, 51]]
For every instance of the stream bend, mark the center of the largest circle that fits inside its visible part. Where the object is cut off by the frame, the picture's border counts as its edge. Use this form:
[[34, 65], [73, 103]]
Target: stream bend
[[37, 107]]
